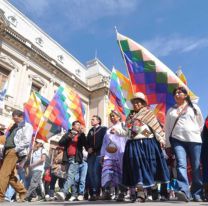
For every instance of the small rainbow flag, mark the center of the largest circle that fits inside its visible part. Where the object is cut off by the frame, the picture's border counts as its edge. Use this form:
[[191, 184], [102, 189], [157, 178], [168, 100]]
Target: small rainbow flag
[[34, 109], [64, 108], [120, 93]]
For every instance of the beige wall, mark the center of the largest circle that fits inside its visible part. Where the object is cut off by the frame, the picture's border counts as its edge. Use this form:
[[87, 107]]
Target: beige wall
[[29, 64]]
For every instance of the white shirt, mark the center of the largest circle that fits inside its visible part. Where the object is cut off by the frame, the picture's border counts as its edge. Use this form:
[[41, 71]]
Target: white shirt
[[36, 156], [188, 127]]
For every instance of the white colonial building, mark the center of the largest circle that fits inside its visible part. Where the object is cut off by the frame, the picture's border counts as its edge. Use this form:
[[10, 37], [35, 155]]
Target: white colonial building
[[32, 60]]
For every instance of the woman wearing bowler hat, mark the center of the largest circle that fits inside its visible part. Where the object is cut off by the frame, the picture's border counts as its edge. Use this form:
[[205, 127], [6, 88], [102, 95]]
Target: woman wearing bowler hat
[[143, 163]]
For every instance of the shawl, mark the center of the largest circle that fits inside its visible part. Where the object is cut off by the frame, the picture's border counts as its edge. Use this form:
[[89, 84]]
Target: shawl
[[146, 116]]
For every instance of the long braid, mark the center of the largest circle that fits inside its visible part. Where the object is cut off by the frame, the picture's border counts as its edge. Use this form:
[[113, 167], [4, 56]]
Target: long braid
[[191, 104]]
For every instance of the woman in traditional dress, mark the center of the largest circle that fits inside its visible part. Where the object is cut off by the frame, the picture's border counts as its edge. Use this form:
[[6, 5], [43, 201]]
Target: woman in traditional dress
[[184, 123], [143, 163], [112, 154]]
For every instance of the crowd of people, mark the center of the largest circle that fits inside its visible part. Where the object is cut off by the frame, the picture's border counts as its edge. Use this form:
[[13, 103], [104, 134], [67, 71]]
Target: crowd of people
[[135, 160]]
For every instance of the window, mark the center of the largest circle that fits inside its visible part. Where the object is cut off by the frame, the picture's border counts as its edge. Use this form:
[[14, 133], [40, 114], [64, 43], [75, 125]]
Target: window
[[4, 74], [35, 87]]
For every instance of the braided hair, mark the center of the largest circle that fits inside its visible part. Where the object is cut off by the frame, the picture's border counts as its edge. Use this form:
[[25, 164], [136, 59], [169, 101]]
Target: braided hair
[[188, 99]]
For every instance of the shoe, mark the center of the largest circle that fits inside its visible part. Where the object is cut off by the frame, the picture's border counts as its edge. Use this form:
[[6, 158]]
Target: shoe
[[68, 196], [120, 197], [142, 197], [80, 197], [106, 196], [2, 200], [197, 200], [60, 196], [155, 194], [163, 198], [93, 198], [34, 199], [47, 198], [22, 197], [181, 196], [73, 198], [86, 196], [133, 198]]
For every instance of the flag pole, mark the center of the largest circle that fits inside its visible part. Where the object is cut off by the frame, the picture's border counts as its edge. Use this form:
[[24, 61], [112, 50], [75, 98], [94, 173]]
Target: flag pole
[[33, 141]]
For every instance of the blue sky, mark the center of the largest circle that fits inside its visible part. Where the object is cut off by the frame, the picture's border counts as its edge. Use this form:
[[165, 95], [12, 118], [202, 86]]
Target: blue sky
[[175, 31]]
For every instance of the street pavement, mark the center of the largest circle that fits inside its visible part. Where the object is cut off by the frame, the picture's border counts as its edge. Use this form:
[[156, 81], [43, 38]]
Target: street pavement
[[105, 203]]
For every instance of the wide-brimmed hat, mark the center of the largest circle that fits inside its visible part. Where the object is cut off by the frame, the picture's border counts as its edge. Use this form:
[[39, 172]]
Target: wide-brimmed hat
[[139, 95]]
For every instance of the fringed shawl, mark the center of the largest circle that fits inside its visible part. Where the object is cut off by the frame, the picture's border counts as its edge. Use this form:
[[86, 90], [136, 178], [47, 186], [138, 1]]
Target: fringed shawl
[[147, 117]]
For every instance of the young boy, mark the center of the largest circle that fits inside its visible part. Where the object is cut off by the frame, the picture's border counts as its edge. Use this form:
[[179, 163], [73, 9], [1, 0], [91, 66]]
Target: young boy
[[36, 167]]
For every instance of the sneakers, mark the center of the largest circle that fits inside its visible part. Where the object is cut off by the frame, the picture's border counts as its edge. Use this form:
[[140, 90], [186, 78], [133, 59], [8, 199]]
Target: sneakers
[[60, 196], [181, 196], [47, 198], [80, 197], [34, 199], [198, 199], [73, 198]]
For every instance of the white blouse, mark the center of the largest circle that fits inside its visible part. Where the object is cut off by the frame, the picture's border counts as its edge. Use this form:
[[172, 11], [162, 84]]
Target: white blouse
[[188, 127]]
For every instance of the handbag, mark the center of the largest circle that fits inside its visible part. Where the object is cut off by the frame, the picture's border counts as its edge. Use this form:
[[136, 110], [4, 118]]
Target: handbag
[[111, 147]]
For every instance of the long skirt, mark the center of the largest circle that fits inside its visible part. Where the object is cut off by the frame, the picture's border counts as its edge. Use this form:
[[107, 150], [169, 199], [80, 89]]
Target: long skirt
[[111, 173], [144, 163]]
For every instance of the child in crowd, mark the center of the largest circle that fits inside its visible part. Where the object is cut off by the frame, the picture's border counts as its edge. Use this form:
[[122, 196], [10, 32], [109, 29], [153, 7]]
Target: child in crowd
[[36, 167]]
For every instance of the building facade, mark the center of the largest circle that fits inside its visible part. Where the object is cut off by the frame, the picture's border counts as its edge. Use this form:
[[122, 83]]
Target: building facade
[[32, 60]]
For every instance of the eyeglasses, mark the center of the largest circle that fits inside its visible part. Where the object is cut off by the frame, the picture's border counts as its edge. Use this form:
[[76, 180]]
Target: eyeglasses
[[179, 93]]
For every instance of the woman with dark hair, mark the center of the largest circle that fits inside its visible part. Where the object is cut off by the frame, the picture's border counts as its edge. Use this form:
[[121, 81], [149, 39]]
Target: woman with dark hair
[[144, 163], [184, 123]]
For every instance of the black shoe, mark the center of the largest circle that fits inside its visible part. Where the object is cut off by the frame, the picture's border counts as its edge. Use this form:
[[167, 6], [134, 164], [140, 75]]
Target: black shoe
[[106, 196], [164, 198], [155, 194], [93, 198], [86, 196], [133, 198], [120, 197], [181, 196]]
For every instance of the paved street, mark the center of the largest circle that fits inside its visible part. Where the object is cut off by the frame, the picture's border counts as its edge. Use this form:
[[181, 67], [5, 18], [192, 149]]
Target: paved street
[[109, 203]]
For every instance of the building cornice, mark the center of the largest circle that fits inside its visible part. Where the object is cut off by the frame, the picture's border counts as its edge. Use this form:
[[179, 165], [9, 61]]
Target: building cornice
[[37, 55]]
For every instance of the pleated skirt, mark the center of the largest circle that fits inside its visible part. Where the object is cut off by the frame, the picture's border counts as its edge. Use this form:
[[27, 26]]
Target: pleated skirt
[[144, 163]]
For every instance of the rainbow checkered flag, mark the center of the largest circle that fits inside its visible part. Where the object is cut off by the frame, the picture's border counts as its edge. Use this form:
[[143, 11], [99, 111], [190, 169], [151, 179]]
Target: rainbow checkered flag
[[148, 74], [120, 93], [64, 108], [34, 109]]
